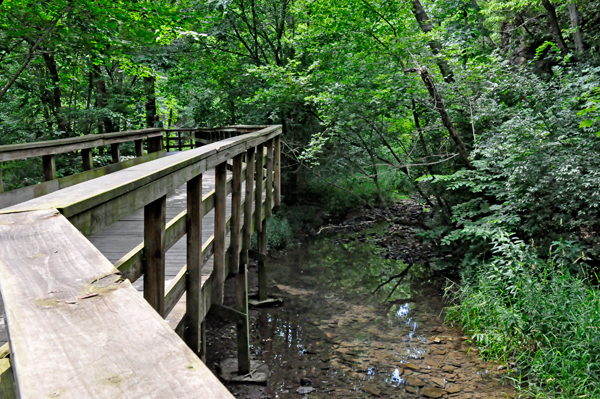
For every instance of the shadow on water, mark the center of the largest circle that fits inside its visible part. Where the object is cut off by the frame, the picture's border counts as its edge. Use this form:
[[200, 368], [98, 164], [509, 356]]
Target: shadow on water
[[334, 338]]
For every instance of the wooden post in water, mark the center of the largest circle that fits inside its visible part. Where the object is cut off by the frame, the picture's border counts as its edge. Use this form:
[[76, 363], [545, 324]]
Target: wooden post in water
[[247, 233], [139, 147], [115, 152], [49, 162], [241, 279], [277, 166], [259, 227], [155, 215], [193, 310], [219, 243]]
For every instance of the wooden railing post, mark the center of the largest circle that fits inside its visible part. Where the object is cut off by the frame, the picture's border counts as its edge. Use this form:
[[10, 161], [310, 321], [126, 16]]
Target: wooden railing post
[[115, 152], [179, 141], [155, 214], [155, 144], [49, 162], [269, 184], [219, 242], [241, 279], [139, 147], [277, 166], [86, 157], [259, 226], [247, 233], [193, 311]]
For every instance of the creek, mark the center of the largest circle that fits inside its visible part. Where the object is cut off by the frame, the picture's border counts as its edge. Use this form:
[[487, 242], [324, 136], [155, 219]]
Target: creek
[[335, 338]]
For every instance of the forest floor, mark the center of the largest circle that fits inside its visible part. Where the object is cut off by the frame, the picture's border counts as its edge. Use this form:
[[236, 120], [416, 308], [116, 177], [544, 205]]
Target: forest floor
[[322, 350]]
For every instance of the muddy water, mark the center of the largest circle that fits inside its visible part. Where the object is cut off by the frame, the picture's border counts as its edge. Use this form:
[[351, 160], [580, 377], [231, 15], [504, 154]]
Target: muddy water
[[334, 338]]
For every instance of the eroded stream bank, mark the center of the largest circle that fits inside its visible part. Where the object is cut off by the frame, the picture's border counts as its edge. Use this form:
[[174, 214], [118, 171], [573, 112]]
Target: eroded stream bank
[[335, 338]]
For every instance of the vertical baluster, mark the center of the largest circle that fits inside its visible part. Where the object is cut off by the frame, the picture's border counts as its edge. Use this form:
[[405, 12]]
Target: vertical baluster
[[259, 226], [219, 243], [193, 311], [115, 152], [269, 183], [277, 166], [247, 234], [49, 162], [241, 278], [139, 147], [180, 147], [154, 250], [86, 157]]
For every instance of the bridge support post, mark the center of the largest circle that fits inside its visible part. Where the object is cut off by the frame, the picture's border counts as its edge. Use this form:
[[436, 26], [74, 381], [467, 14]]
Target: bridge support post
[[219, 242], [86, 156], [193, 311], [241, 278], [155, 215], [259, 227], [49, 162], [277, 166]]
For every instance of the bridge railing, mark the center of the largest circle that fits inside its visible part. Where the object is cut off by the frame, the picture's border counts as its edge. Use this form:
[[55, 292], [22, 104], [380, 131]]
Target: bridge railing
[[76, 326], [157, 140]]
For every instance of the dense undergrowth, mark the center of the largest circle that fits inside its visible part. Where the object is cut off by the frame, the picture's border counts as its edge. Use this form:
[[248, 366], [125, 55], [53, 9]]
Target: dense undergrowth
[[536, 315]]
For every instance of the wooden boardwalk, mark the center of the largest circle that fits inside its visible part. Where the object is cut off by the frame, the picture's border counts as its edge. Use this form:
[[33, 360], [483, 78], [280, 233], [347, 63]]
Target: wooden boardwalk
[[121, 237]]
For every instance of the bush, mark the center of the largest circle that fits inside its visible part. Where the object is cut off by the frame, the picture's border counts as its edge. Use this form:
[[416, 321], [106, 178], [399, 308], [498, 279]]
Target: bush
[[536, 313], [279, 233]]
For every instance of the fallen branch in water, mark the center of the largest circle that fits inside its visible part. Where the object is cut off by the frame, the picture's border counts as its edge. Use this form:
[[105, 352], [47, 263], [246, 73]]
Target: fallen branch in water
[[400, 277], [344, 226]]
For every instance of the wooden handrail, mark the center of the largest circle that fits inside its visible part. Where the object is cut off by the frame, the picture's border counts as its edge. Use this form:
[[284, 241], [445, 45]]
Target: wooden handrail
[[40, 249]]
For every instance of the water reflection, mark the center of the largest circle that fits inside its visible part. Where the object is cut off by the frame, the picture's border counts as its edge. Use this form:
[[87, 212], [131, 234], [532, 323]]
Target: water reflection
[[334, 335]]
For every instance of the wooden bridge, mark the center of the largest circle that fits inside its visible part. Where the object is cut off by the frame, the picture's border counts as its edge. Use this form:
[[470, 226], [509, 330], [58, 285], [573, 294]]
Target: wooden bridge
[[75, 252]]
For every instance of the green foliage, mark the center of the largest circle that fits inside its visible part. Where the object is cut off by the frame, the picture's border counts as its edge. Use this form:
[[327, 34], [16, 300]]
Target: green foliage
[[534, 313]]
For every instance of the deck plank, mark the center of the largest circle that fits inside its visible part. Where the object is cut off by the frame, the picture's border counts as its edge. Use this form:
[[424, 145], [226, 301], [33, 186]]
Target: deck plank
[[96, 347]]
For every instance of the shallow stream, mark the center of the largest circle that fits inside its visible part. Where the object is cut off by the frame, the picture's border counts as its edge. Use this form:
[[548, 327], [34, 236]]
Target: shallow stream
[[335, 338]]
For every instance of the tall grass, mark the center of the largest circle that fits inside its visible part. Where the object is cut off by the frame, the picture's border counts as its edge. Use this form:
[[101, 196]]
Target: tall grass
[[537, 315]]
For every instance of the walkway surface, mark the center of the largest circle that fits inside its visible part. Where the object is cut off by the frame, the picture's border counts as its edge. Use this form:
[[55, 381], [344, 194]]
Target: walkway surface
[[121, 237]]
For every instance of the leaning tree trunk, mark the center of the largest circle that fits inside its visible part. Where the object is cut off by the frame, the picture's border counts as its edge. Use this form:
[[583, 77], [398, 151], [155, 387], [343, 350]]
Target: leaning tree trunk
[[575, 24], [436, 47], [441, 109], [555, 27]]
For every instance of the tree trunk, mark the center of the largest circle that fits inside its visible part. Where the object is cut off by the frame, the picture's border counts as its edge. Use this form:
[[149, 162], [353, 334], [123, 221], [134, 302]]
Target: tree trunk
[[425, 24], [555, 27], [575, 24], [56, 97], [149, 83], [439, 106], [101, 99]]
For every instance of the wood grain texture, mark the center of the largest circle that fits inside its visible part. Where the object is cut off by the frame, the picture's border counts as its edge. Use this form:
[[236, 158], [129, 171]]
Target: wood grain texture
[[69, 345], [154, 253], [194, 264], [20, 195], [219, 245]]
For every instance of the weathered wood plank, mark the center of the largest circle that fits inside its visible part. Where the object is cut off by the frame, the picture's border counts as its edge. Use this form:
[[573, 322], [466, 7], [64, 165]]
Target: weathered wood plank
[[71, 345], [220, 215], [277, 166], [247, 232], [86, 196], [154, 251], [20, 195], [49, 165], [236, 212], [7, 381], [86, 157], [194, 264]]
